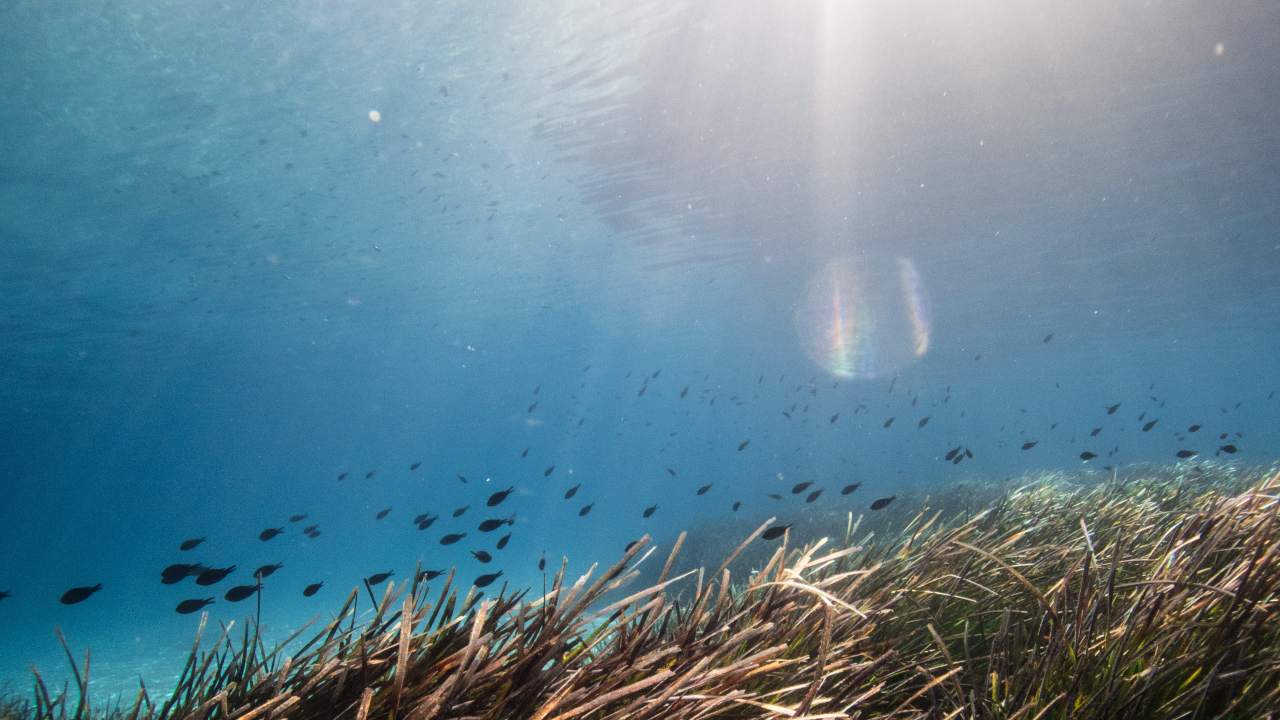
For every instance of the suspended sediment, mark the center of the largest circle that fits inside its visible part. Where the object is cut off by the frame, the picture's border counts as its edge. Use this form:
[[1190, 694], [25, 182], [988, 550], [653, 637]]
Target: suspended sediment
[[1157, 596]]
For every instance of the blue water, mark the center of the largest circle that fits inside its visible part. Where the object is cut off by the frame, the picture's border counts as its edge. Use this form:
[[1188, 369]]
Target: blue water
[[223, 283]]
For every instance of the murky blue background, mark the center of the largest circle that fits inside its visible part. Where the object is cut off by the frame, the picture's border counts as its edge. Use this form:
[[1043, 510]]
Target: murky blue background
[[222, 283]]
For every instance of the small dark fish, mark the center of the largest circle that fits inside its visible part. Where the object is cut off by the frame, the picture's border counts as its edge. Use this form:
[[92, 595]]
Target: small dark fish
[[834, 418], [888, 422], [671, 472], [1047, 338], [313, 534], [369, 475], [487, 580], [1094, 432], [542, 563], [312, 589], [310, 529], [214, 575], [482, 556], [1184, 454], [532, 407], [1229, 449], [497, 498], [379, 578], [775, 496], [186, 607], [1111, 409], [297, 518], [415, 466], [426, 521], [240, 592], [571, 491], [968, 453], [951, 454], [190, 544], [424, 575], [5, 594], [382, 513], [1087, 456], [774, 532], [743, 445], [1150, 424], [1194, 428], [462, 478], [178, 572], [550, 469], [342, 476], [1029, 444], [452, 538], [524, 453], [586, 509], [502, 541], [883, 502], [269, 533], [923, 421], [649, 511], [800, 487], [460, 511], [847, 489], [813, 495], [703, 490], [736, 505], [684, 392], [267, 570], [494, 523], [79, 594]]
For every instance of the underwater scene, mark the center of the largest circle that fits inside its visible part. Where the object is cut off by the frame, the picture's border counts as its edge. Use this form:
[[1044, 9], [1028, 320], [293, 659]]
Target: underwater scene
[[679, 359]]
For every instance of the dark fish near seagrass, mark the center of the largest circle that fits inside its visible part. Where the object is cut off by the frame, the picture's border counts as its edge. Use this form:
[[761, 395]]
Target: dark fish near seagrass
[[297, 518], [487, 580], [649, 511], [800, 487], [550, 469], [312, 589], [459, 512], [703, 490], [502, 541], [1087, 456], [269, 533], [1228, 449], [847, 489], [494, 523], [1184, 454], [774, 532], [586, 509], [214, 575], [497, 498], [190, 544], [379, 578], [186, 607], [571, 491], [382, 514], [429, 574], [452, 538], [240, 592], [883, 502], [743, 445], [542, 563], [482, 556], [813, 495], [180, 571], [267, 570], [79, 594]]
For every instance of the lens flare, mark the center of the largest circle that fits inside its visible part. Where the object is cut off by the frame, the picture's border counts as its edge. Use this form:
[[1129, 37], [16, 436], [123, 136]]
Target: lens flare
[[864, 318]]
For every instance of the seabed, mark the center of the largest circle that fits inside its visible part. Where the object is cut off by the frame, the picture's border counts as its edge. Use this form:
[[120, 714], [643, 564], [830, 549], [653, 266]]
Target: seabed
[[1157, 595]]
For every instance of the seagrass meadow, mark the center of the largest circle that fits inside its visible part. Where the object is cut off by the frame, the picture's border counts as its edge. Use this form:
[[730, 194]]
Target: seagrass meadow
[[1153, 596]]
